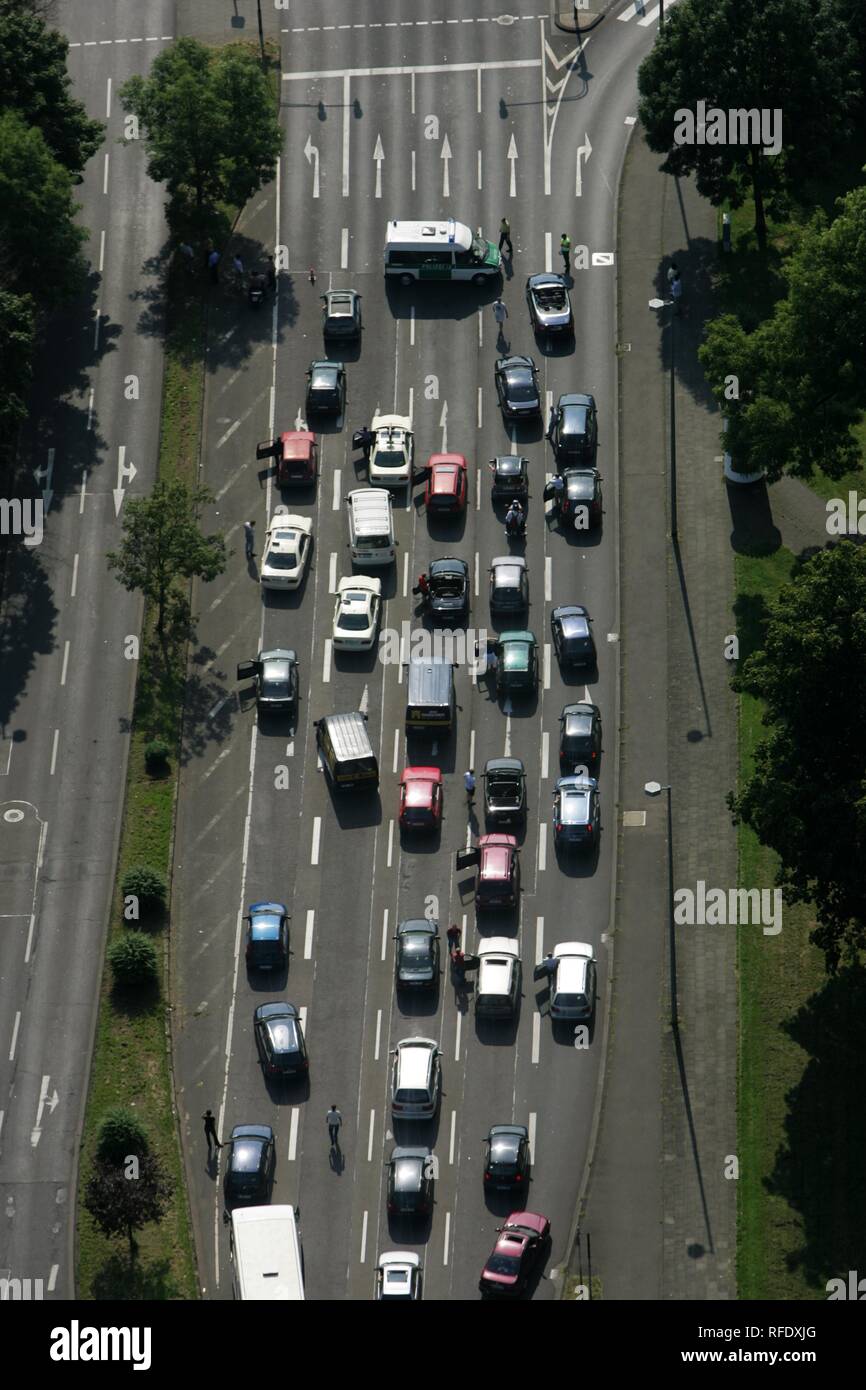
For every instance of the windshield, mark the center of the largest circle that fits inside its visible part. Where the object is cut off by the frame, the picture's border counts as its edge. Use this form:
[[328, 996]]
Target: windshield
[[522, 388], [282, 560], [390, 458]]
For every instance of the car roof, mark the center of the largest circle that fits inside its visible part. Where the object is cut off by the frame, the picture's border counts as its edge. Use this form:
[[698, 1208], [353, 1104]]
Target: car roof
[[573, 948], [252, 1132], [570, 610], [271, 908], [532, 1219], [399, 1257], [394, 422], [289, 521], [577, 784], [341, 296], [421, 774]]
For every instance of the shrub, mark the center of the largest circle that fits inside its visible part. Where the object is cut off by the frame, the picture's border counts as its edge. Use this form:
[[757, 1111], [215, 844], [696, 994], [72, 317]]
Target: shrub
[[133, 960], [156, 755], [120, 1133], [147, 885]]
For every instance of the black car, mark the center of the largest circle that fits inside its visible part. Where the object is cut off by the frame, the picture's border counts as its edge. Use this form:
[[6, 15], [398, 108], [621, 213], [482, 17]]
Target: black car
[[517, 387], [416, 965], [267, 936], [580, 739], [573, 429], [506, 1158], [410, 1182], [504, 791], [275, 675], [250, 1168], [510, 477], [280, 1040], [448, 595], [573, 641], [549, 304], [341, 314], [326, 388], [580, 502]]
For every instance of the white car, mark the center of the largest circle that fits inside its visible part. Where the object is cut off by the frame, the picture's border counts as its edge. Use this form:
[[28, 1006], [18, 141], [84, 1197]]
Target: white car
[[398, 1275], [356, 615], [392, 451], [288, 542]]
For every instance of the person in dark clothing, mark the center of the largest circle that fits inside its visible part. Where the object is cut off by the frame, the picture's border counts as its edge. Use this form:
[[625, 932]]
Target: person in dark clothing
[[271, 273], [213, 264], [453, 936], [210, 1133]]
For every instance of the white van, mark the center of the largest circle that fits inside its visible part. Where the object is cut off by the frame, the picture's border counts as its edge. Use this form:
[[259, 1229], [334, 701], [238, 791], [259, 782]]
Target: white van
[[498, 988], [265, 1253], [371, 526], [439, 250]]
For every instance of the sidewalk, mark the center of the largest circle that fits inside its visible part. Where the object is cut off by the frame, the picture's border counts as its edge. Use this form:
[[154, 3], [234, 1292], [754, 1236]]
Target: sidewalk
[[659, 1211]]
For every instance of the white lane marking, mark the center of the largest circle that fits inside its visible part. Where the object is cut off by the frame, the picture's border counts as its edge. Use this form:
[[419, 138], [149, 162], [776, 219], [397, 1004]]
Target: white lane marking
[[476, 573], [412, 93], [82, 495], [507, 750], [548, 578], [54, 751], [55, 1269], [385, 916], [15, 1028], [336, 501], [539, 939], [472, 748], [364, 1238], [412, 325], [290, 748], [293, 1133], [423, 70], [90, 427], [479, 408], [378, 1035], [542, 847], [457, 1037], [545, 755], [549, 402], [346, 128], [478, 489], [108, 98], [105, 176], [65, 662], [405, 573], [102, 244], [228, 434], [413, 171], [308, 934], [548, 252], [650, 17], [390, 842], [536, 1038], [396, 749], [547, 665], [332, 573], [480, 185], [531, 1127], [452, 1136], [326, 663], [317, 836], [344, 248], [477, 83], [447, 1241], [371, 1133]]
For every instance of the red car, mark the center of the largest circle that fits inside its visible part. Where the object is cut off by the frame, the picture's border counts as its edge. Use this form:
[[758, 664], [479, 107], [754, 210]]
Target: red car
[[446, 489], [420, 798], [498, 883], [519, 1244], [297, 456]]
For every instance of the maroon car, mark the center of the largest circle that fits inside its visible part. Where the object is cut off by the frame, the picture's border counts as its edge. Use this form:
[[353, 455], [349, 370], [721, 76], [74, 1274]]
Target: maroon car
[[520, 1242], [296, 453], [498, 883]]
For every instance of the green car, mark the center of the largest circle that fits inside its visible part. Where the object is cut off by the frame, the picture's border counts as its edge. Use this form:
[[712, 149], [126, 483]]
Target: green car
[[517, 670]]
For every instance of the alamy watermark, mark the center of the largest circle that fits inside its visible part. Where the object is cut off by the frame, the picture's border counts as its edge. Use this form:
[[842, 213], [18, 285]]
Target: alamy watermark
[[718, 907], [736, 126], [77, 1343], [455, 646], [22, 518]]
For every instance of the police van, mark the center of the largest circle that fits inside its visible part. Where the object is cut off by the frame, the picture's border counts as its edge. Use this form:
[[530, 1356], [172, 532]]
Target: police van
[[265, 1251], [371, 526], [439, 250]]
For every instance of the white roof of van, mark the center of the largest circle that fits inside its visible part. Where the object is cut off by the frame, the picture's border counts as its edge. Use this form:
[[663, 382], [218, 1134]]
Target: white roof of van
[[264, 1253], [434, 231]]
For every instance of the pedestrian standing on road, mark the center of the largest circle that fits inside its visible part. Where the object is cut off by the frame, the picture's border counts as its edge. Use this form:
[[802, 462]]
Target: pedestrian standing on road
[[565, 251], [366, 442], [271, 273], [505, 236], [249, 538], [676, 292], [500, 313], [334, 1119], [210, 1132], [213, 265], [673, 272], [557, 486], [238, 265], [469, 784], [453, 937], [491, 662], [423, 586]]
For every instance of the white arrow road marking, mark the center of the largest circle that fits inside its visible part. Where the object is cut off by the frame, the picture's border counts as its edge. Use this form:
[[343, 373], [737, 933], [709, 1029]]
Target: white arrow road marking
[[584, 149], [507, 750], [311, 153], [44, 477], [44, 1099], [365, 700], [512, 158], [550, 111], [124, 470], [378, 157], [443, 425], [602, 258], [445, 156]]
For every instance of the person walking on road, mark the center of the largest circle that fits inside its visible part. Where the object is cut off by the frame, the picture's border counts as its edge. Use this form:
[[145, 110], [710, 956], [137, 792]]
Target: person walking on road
[[453, 937], [249, 538], [334, 1119], [213, 265], [673, 272], [676, 292], [565, 251], [505, 237], [469, 784], [500, 313], [210, 1133]]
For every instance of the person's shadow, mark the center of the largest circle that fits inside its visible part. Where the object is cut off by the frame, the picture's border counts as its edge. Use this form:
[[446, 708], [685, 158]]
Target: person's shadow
[[502, 343], [337, 1161], [212, 1163], [252, 569]]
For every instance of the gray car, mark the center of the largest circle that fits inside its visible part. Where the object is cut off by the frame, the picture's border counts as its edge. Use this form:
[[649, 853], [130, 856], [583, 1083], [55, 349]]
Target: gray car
[[341, 314], [275, 675], [509, 584], [549, 304], [576, 814]]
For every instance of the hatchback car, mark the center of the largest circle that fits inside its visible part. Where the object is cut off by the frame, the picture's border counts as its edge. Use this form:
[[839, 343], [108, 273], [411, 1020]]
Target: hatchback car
[[549, 304], [341, 314], [576, 813], [280, 1040], [288, 544], [392, 452], [326, 388], [520, 1243], [498, 880], [517, 664], [581, 503], [573, 429], [416, 963], [506, 1158], [571, 971], [356, 613], [410, 1182], [420, 798], [579, 739], [509, 584], [448, 591], [572, 636], [398, 1276], [510, 477], [267, 936], [445, 491], [297, 457], [250, 1168], [275, 675], [416, 1079], [517, 387], [504, 791]]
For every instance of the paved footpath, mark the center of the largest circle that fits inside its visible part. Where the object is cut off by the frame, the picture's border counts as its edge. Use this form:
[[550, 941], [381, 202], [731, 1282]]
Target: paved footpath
[[660, 1214]]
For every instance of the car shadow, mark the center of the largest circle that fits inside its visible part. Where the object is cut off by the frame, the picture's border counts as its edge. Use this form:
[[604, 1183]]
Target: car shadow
[[418, 1003]]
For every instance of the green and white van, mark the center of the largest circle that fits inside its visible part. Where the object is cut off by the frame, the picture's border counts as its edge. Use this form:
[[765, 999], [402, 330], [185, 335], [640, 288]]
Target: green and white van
[[439, 250]]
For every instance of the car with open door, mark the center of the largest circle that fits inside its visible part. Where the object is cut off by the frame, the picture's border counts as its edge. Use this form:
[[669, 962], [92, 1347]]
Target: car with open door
[[504, 791], [296, 456], [275, 679]]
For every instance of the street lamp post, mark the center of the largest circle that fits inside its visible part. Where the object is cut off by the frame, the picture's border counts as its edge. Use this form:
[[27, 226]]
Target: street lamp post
[[653, 789]]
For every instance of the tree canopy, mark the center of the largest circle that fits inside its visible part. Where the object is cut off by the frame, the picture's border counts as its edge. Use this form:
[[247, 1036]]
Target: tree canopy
[[41, 242], [121, 1204]]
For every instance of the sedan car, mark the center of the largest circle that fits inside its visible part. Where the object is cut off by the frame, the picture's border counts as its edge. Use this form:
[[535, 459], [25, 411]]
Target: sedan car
[[280, 1040], [356, 613], [580, 739], [498, 881], [448, 591], [250, 1168], [506, 1158], [288, 543], [517, 663], [446, 487], [572, 636], [522, 1240], [504, 791], [341, 314], [420, 798], [510, 477], [410, 1182], [398, 1276], [326, 388], [297, 457], [509, 584], [576, 813], [517, 387], [275, 674], [392, 451], [267, 936], [573, 429], [581, 503], [416, 963], [549, 304]]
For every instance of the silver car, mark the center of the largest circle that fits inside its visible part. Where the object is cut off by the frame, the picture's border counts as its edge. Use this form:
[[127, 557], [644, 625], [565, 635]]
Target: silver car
[[549, 304], [341, 314]]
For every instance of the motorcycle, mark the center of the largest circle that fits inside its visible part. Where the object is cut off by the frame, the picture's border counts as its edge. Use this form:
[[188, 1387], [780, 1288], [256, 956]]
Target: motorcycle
[[256, 291], [515, 527]]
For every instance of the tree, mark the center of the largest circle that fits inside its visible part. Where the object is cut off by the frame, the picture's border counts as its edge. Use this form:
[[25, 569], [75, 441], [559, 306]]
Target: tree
[[41, 243], [806, 797], [210, 127], [790, 56], [16, 352], [162, 546], [35, 84], [121, 1133], [121, 1201]]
